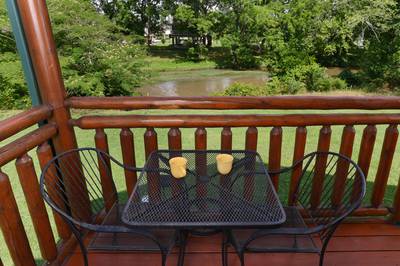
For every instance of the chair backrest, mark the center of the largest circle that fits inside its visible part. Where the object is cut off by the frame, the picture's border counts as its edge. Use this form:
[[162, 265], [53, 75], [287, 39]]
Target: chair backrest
[[330, 186], [78, 184]]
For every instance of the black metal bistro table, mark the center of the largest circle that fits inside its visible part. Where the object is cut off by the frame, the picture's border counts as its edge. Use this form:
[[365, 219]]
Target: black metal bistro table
[[204, 199]]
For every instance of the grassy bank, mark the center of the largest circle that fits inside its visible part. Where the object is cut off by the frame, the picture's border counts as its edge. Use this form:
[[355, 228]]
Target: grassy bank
[[85, 138]]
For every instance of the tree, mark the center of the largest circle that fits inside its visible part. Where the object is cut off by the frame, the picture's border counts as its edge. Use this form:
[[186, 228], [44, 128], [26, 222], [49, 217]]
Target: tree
[[140, 17]]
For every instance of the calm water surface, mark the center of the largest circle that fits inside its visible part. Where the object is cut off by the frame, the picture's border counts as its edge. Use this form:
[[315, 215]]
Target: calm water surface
[[201, 86]]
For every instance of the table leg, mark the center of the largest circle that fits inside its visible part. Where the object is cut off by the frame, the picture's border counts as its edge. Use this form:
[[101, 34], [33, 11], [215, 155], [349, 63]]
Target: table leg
[[183, 234]]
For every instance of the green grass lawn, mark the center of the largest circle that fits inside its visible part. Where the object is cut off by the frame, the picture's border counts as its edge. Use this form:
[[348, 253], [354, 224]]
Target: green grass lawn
[[86, 138]]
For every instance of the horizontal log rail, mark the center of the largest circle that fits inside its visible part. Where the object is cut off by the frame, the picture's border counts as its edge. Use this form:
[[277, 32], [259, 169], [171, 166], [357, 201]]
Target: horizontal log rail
[[165, 121], [229, 102], [21, 121], [26, 143]]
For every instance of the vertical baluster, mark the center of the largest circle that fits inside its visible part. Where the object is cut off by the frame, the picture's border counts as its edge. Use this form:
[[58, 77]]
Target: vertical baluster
[[320, 165], [128, 157], [175, 144], [226, 145], [40, 219], [275, 151], [153, 178], [12, 227], [107, 184], [298, 154], [200, 137], [174, 139], [45, 154], [251, 145], [346, 149], [365, 155], [226, 139], [385, 163]]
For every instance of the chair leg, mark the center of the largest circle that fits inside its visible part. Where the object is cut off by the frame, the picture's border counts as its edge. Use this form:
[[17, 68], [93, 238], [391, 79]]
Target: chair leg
[[224, 250], [78, 237], [241, 257], [182, 248], [163, 258]]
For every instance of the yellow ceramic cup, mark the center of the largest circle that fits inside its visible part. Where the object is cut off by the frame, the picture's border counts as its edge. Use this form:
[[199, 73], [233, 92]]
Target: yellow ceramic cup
[[178, 166], [224, 163]]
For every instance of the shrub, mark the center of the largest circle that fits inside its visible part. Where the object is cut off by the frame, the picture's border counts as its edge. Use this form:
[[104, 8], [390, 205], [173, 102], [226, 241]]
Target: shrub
[[241, 89], [197, 53]]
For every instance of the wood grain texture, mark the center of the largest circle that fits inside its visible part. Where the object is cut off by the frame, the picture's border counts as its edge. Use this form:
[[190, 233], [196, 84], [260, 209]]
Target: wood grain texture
[[37, 210], [342, 169], [250, 145], [26, 143], [128, 157], [274, 102], [23, 120], [12, 227], [45, 154], [153, 179], [175, 145], [299, 148], [226, 139], [194, 121], [275, 153], [200, 142], [107, 183], [320, 165], [385, 164]]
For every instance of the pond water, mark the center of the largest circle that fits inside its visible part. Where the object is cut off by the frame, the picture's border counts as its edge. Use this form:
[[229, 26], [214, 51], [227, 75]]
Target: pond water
[[194, 83], [203, 86]]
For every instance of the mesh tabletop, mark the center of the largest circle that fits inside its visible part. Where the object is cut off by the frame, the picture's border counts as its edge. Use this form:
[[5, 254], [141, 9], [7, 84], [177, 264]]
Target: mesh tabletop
[[204, 198]]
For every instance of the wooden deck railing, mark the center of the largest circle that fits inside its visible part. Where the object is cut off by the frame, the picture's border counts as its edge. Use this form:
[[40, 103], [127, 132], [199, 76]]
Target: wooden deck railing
[[277, 122], [10, 219]]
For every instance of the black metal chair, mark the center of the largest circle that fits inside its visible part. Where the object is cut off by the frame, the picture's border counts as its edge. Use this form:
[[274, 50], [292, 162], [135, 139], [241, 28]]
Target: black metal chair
[[94, 205], [330, 187]]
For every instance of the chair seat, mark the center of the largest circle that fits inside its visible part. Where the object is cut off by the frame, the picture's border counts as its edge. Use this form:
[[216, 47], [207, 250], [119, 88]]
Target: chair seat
[[129, 241], [279, 242]]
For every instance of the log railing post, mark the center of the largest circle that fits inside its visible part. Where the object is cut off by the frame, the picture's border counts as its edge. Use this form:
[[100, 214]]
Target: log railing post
[[275, 151], [153, 179], [299, 148], [250, 145], [107, 184], [12, 227], [45, 154], [128, 157], [37, 210], [385, 163]]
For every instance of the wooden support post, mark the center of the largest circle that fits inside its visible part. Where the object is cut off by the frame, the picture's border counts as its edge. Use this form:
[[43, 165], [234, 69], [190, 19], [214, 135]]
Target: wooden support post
[[12, 227], [36, 23], [37, 210], [128, 157], [45, 155]]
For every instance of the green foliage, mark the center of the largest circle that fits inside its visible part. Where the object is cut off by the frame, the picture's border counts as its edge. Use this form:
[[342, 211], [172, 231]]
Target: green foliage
[[96, 59], [197, 53]]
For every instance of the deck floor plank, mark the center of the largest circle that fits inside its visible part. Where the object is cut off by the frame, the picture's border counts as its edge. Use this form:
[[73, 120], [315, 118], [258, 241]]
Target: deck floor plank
[[353, 244]]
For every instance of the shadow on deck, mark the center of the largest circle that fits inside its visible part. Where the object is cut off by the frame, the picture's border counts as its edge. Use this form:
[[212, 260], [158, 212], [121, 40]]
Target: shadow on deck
[[368, 243]]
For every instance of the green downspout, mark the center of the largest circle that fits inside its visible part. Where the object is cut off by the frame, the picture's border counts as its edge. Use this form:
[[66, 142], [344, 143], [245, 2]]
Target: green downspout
[[23, 51]]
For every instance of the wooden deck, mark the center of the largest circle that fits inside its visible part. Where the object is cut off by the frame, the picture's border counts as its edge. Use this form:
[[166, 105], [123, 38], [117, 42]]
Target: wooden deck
[[371, 243]]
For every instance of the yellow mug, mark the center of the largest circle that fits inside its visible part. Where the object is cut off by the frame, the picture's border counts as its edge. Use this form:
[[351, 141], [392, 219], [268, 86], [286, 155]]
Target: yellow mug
[[224, 163], [178, 166]]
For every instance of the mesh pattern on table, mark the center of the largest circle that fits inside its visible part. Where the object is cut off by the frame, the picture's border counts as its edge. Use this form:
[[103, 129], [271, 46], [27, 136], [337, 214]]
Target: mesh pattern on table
[[204, 198]]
